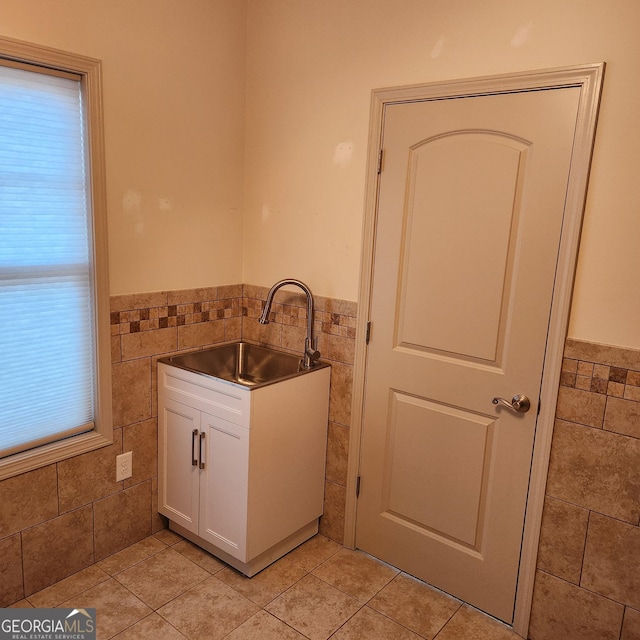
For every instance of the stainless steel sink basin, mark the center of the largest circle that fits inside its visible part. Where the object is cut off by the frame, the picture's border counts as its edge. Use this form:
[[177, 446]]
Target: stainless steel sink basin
[[243, 363]]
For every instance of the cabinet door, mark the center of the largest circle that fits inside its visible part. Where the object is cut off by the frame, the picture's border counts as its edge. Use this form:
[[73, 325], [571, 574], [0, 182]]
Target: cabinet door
[[223, 489], [178, 427]]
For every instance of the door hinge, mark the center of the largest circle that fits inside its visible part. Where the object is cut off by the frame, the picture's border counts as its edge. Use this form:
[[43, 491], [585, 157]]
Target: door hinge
[[380, 162], [358, 487], [367, 335]]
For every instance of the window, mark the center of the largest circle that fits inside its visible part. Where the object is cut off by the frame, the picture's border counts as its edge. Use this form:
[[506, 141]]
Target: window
[[55, 391]]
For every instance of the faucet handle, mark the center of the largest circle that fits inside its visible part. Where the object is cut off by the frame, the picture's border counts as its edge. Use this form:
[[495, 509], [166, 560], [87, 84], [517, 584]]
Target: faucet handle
[[312, 351]]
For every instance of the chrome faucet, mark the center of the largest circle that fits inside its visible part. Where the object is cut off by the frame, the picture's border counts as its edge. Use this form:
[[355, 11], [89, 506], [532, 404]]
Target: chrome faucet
[[311, 353]]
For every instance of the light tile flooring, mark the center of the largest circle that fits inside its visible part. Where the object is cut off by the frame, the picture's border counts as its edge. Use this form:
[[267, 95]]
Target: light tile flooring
[[166, 588]]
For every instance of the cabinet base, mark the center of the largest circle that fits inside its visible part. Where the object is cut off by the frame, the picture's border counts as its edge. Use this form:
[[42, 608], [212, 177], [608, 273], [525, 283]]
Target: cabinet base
[[260, 562]]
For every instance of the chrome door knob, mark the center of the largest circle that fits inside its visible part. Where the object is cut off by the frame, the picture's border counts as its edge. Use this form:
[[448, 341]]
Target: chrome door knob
[[518, 403]]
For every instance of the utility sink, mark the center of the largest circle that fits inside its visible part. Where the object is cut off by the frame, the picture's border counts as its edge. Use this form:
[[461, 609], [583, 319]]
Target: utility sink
[[242, 363]]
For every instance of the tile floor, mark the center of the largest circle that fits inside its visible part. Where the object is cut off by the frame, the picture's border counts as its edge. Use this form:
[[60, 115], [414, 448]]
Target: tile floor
[[166, 588]]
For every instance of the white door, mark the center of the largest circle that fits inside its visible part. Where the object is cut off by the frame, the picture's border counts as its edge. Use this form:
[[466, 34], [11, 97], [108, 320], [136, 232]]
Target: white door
[[469, 219]]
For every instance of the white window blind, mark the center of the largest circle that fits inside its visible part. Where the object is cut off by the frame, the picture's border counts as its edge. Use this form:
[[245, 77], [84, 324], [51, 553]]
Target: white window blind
[[47, 363]]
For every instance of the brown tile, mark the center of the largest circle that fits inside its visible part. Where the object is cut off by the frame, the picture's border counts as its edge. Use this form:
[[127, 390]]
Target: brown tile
[[340, 394], [116, 355], [611, 560], [332, 520], [68, 588], [264, 334], [415, 605], [293, 338], [131, 392], [232, 329], [200, 334], [116, 608], [11, 588], [467, 624], [210, 610], [142, 440], [199, 556], [57, 548], [368, 624], [313, 608], [158, 521], [622, 416], [564, 611], [131, 555], [615, 389], [266, 585], [341, 349], [569, 365], [28, 499], [266, 627], [601, 371], [585, 369], [186, 296], [90, 476], [21, 604], [633, 378], [605, 354], [632, 393], [617, 374], [122, 519], [337, 453], [562, 539], [599, 385], [583, 407], [229, 291], [152, 627], [168, 537], [139, 301], [595, 469], [336, 305], [356, 573], [149, 343], [631, 625], [162, 577], [314, 552], [583, 382]]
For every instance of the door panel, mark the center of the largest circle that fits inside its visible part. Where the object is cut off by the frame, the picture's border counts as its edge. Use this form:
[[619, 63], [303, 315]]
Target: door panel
[[449, 176], [421, 433], [223, 494], [469, 217], [179, 478]]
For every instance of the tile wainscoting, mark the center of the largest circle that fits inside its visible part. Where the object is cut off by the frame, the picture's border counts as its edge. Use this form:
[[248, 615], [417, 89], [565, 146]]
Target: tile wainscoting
[[588, 580], [62, 518]]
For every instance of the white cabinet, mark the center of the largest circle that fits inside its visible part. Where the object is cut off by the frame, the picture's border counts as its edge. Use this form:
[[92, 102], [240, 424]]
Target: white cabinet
[[241, 471]]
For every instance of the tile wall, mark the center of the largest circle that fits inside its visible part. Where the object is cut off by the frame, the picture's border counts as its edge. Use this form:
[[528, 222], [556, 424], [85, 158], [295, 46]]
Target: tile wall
[[588, 579], [59, 519], [64, 517]]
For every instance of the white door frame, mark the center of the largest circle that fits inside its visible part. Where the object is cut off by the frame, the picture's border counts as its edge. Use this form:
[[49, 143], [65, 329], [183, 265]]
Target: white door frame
[[589, 79]]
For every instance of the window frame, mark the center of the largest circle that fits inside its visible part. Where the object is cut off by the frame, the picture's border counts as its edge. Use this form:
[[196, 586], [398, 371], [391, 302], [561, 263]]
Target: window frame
[[90, 71]]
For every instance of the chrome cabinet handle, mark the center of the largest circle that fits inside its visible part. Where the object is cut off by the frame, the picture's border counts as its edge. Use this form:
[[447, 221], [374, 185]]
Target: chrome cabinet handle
[[194, 433], [518, 403], [202, 434]]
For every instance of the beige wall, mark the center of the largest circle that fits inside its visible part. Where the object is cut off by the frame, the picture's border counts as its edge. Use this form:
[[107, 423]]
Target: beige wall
[[173, 78], [182, 179], [310, 69]]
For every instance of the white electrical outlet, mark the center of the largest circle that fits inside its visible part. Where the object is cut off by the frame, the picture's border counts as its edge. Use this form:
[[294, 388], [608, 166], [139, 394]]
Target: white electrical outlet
[[124, 466]]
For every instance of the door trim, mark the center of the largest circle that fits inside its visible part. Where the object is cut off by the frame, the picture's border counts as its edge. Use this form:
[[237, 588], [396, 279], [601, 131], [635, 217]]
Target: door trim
[[589, 79]]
